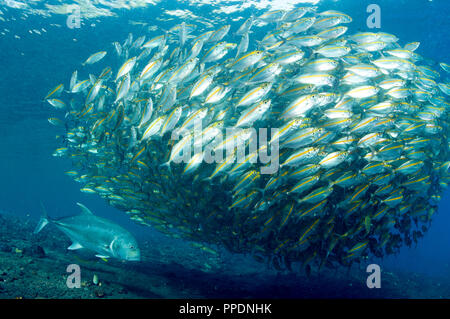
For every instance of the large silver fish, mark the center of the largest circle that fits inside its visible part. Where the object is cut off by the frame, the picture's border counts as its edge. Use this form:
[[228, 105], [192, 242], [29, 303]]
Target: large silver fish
[[100, 235]]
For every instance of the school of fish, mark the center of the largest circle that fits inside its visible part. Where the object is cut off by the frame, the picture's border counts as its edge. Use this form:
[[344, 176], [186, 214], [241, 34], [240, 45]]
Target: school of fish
[[362, 134]]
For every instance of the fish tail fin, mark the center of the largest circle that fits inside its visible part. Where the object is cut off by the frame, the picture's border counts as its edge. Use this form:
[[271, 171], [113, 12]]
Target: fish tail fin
[[166, 165], [43, 221], [208, 179], [262, 191]]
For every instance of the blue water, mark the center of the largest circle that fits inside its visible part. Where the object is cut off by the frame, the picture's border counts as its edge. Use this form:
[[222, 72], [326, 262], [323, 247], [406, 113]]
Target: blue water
[[33, 64]]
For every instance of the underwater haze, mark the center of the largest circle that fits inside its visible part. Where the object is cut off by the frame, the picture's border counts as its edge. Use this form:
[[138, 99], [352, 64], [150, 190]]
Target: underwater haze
[[42, 44]]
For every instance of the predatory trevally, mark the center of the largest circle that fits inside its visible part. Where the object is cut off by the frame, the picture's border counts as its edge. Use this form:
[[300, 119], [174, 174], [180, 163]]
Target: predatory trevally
[[100, 235]]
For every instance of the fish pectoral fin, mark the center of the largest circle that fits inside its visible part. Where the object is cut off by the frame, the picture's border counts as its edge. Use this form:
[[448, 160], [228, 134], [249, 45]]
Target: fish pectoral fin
[[102, 256], [75, 246]]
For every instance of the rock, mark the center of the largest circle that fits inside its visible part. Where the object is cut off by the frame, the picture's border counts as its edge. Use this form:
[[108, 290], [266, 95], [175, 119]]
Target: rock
[[34, 251], [122, 290], [99, 293], [5, 248]]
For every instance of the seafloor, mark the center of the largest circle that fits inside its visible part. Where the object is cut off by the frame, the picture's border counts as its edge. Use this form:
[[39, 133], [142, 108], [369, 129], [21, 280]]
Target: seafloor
[[34, 266]]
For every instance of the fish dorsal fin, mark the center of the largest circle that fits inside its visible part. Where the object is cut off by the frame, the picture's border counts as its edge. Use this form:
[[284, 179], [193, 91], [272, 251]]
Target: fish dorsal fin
[[84, 209]]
